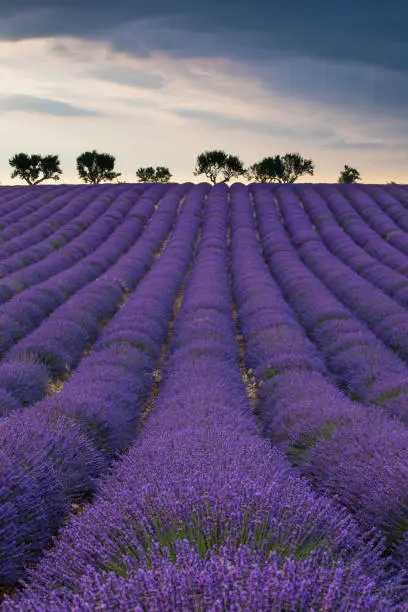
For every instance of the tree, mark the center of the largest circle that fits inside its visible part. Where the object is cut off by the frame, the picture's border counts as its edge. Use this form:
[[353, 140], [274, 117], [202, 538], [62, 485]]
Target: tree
[[268, 170], [295, 165], [349, 175], [150, 175], [163, 174], [211, 163], [95, 167], [146, 175], [284, 169], [29, 167]]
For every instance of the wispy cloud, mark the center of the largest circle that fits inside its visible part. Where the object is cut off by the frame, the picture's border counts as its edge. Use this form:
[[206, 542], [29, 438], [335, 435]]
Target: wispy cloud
[[228, 122], [126, 75], [343, 144], [44, 106], [186, 105]]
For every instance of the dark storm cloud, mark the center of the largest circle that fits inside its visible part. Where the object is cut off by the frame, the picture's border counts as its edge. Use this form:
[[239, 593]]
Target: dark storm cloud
[[365, 34], [44, 106], [370, 31], [360, 88]]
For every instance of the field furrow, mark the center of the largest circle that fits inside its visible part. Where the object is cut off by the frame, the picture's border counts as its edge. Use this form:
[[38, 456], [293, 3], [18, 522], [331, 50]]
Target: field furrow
[[50, 353], [57, 447], [204, 397], [201, 509], [24, 312], [345, 448], [26, 213], [313, 210], [368, 370]]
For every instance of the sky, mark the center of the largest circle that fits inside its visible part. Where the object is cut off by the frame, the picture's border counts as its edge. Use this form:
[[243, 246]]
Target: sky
[[156, 83]]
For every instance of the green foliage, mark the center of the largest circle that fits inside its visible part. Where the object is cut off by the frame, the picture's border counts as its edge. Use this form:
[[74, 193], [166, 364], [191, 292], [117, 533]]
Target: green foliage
[[388, 395], [349, 175], [95, 167], [146, 175], [286, 169], [211, 163], [299, 450], [150, 175], [268, 170], [30, 167], [163, 174], [295, 165]]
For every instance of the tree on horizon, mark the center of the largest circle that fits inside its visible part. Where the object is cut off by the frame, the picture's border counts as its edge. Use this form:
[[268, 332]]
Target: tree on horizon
[[286, 169], [150, 175], [30, 167], [349, 175], [94, 167], [211, 163]]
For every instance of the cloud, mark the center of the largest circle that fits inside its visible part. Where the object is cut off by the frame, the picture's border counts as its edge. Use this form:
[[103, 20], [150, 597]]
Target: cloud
[[257, 80], [357, 56], [358, 87], [228, 122], [343, 144], [44, 106], [367, 31], [125, 75]]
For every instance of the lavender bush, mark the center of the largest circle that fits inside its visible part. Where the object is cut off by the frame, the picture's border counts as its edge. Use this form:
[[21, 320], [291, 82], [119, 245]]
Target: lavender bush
[[198, 511], [202, 513], [102, 400]]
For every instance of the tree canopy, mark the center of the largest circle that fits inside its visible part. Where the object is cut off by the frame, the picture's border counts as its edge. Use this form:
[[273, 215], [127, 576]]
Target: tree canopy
[[295, 165], [286, 169], [349, 175], [211, 163], [35, 169], [267, 170], [96, 167], [150, 175]]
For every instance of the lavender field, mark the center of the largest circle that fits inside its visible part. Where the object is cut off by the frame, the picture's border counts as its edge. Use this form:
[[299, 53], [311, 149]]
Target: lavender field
[[204, 397]]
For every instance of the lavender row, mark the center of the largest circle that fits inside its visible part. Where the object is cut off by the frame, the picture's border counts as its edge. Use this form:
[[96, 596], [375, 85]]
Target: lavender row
[[99, 220], [39, 231], [58, 344], [27, 201], [358, 456], [353, 225], [52, 452], [10, 197], [202, 514], [399, 192], [362, 365], [392, 201], [51, 234], [388, 319], [21, 236], [57, 231], [23, 313], [130, 345], [30, 210], [382, 211], [343, 247]]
